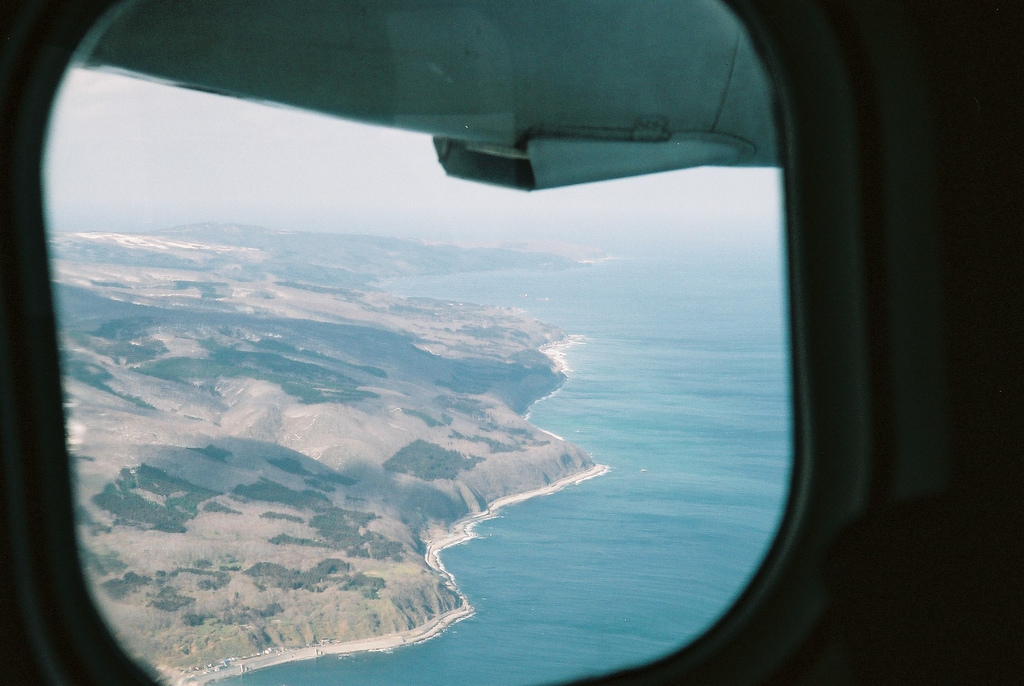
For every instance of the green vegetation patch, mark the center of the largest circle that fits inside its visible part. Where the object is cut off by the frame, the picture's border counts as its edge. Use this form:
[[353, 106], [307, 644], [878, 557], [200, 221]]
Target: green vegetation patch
[[269, 491], [125, 340], [493, 445], [87, 373], [379, 548], [313, 288], [310, 383], [208, 290], [427, 419], [316, 579], [213, 452], [181, 499], [180, 494], [327, 573], [367, 585], [285, 539], [336, 478], [214, 506], [130, 352], [211, 580], [124, 329], [103, 563], [271, 610], [319, 485], [320, 481], [132, 509], [517, 384], [170, 600], [274, 345], [341, 527], [429, 461], [290, 465], [126, 585], [96, 376], [242, 614], [467, 406], [281, 347], [281, 515]]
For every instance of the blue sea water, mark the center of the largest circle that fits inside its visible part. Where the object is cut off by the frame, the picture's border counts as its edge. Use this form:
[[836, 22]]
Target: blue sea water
[[684, 373]]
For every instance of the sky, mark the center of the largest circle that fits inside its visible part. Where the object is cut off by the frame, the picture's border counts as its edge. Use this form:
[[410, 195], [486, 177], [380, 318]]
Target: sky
[[125, 154]]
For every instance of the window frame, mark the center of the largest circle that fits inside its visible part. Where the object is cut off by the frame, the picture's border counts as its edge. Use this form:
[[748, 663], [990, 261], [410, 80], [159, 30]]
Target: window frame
[[831, 240]]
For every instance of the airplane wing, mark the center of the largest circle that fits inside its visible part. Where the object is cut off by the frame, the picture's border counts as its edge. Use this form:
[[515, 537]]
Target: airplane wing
[[530, 94]]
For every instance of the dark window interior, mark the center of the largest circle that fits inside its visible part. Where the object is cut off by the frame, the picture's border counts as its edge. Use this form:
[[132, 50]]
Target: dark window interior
[[895, 562]]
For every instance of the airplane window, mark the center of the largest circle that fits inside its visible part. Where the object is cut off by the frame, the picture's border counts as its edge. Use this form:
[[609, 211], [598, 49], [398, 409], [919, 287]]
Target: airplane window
[[321, 361]]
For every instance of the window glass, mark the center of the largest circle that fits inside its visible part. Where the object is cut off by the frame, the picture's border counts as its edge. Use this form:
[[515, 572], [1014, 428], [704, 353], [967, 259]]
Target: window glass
[[315, 387]]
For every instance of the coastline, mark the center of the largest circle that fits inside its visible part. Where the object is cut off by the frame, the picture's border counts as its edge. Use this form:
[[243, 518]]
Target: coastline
[[462, 530], [557, 353], [459, 532]]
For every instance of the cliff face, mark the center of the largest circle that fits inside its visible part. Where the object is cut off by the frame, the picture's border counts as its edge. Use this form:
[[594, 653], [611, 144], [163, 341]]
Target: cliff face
[[260, 448]]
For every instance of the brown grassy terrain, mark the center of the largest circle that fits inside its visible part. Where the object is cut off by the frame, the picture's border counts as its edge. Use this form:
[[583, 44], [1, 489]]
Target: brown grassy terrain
[[259, 456]]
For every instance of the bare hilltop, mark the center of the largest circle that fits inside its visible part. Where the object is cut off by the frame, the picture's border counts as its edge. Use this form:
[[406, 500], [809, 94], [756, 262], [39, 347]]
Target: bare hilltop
[[266, 442]]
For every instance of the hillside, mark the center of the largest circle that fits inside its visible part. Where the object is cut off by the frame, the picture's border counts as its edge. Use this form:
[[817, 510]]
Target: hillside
[[264, 440]]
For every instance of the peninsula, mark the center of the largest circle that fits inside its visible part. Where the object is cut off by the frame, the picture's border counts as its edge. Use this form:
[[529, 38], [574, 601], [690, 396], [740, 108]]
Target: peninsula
[[270, 449]]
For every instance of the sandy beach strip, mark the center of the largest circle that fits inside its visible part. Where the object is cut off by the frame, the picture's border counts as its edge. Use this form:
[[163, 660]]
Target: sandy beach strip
[[459, 532], [280, 656]]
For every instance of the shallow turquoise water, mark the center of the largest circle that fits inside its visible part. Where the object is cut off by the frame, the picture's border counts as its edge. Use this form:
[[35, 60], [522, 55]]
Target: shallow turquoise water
[[684, 373]]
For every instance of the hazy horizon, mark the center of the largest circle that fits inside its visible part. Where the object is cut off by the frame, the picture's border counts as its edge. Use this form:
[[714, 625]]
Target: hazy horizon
[[273, 437], [224, 160]]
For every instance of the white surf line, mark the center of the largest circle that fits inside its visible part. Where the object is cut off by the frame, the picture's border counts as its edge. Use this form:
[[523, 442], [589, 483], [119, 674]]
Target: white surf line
[[553, 435], [557, 351], [462, 530], [459, 532]]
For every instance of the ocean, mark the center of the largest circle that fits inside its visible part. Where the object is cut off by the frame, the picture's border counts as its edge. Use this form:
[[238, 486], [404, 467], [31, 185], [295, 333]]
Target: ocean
[[681, 385]]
